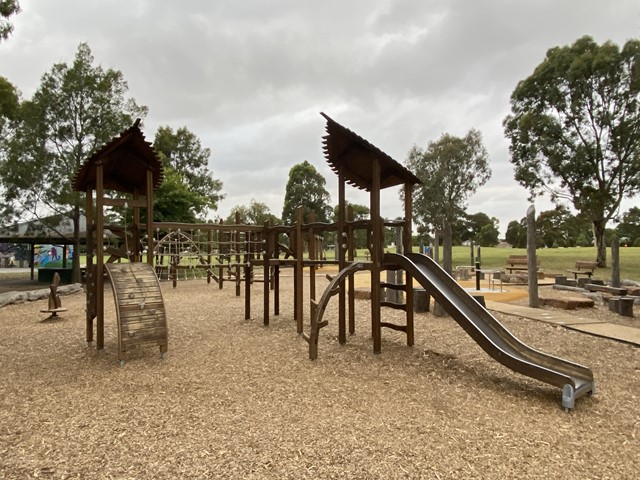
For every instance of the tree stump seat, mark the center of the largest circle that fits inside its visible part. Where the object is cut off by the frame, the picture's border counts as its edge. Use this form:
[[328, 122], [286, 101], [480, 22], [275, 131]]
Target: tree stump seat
[[622, 305]]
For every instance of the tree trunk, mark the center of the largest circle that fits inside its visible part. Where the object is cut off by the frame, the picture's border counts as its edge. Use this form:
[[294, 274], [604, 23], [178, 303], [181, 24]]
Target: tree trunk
[[436, 244], [532, 263], [447, 247], [601, 246]]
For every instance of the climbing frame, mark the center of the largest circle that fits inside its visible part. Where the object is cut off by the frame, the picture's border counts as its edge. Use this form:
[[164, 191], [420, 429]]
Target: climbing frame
[[140, 312]]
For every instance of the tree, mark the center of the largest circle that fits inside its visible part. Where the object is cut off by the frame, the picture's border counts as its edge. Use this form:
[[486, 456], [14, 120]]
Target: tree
[[9, 108], [483, 229], [306, 187], [360, 212], [629, 227], [516, 234], [7, 8], [451, 169], [9, 100], [574, 129], [76, 110], [182, 152], [488, 235], [460, 230], [257, 213], [174, 201], [550, 227]]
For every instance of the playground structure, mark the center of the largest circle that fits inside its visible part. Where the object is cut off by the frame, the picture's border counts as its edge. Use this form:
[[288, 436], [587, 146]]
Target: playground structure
[[129, 165]]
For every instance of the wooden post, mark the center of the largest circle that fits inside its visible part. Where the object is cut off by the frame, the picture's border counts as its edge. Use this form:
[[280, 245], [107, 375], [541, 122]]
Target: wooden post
[[299, 271], [343, 245], [135, 230], [99, 270], [407, 247], [150, 246], [90, 275], [351, 250], [532, 264], [209, 251], [615, 261], [237, 245], [376, 250], [267, 255], [312, 256]]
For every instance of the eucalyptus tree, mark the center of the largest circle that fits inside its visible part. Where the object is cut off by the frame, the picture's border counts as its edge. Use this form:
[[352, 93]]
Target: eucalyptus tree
[[7, 8], [256, 213], [181, 151], [306, 188], [451, 169], [574, 129], [76, 109]]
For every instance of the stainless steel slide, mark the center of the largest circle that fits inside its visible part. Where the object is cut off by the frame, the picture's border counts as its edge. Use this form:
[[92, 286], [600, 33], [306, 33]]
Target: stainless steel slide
[[575, 380]]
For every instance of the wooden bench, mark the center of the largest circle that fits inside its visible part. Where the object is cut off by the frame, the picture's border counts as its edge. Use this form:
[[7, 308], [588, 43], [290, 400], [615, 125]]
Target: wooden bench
[[519, 263], [583, 268]]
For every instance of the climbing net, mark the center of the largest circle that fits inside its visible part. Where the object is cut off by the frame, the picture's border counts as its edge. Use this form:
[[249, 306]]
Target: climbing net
[[196, 253]]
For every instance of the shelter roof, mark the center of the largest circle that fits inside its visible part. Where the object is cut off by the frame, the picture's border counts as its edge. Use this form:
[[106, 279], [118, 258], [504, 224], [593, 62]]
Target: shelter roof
[[342, 147], [56, 230], [126, 159]]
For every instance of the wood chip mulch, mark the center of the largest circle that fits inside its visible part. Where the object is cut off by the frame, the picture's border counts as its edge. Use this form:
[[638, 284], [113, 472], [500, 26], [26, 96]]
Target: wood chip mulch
[[234, 399]]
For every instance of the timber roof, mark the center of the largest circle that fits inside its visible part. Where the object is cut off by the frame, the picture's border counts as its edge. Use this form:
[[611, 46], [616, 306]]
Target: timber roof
[[126, 159], [342, 147], [50, 230]]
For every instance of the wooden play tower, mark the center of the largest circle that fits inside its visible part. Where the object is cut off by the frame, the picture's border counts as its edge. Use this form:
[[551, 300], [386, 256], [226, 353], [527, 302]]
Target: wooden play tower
[[362, 165], [130, 170]]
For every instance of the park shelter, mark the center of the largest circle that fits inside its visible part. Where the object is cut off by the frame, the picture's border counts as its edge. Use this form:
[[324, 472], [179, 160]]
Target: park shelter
[[364, 166], [129, 166], [46, 231]]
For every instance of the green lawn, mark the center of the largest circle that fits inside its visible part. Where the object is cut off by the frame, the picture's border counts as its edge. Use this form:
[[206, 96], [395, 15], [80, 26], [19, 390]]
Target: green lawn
[[552, 260], [555, 260]]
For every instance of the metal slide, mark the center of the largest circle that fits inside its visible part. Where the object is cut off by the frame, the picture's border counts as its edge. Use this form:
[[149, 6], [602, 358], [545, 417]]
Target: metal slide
[[574, 380]]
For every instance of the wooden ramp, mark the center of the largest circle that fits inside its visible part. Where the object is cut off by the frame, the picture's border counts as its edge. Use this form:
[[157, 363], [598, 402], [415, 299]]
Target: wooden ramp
[[140, 311]]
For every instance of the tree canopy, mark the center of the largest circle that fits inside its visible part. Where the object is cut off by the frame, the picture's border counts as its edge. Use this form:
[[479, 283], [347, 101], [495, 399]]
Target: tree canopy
[[451, 169], [174, 201], [574, 129], [360, 212], [76, 109], [554, 228], [629, 227], [181, 152], [257, 213], [7, 8], [306, 187], [9, 100]]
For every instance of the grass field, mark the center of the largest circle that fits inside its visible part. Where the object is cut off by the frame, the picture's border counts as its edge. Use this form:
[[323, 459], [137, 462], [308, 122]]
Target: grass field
[[552, 260], [555, 260]]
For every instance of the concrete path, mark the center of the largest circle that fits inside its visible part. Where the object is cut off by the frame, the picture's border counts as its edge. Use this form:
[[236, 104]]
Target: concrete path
[[613, 331]]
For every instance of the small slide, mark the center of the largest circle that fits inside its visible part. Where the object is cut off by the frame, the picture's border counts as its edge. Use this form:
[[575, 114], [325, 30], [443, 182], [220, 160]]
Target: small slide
[[574, 380]]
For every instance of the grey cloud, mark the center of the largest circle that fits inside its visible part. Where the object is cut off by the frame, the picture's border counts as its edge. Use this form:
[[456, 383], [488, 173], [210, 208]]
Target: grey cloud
[[249, 77]]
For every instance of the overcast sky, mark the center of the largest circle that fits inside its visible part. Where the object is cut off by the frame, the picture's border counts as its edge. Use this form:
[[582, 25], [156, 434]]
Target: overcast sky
[[250, 77]]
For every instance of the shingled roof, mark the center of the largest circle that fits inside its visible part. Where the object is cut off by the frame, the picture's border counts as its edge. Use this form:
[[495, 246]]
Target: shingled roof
[[342, 147], [126, 159]]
